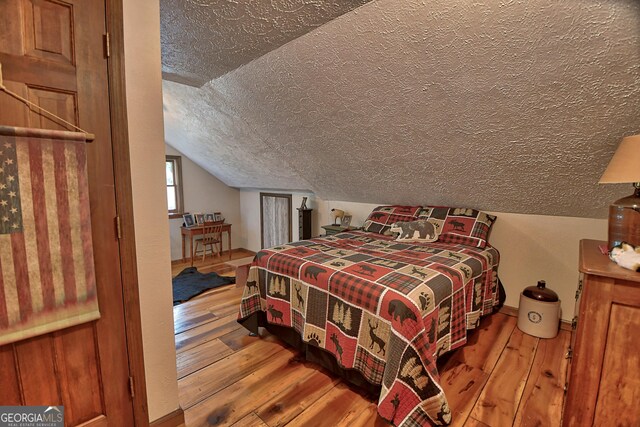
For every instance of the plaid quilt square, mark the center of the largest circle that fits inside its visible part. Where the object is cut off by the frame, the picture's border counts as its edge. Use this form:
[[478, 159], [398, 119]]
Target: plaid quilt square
[[285, 264], [370, 366], [320, 258], [400, 282], [460, 225], [249, 305], [458, 319], [300, 251], [355, 290], [380, 219], [297, 321], [367, 270], [406, 258]]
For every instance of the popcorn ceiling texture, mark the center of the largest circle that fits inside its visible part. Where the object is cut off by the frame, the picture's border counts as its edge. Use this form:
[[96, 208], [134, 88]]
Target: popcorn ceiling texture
[[204, 39], [507, 106]]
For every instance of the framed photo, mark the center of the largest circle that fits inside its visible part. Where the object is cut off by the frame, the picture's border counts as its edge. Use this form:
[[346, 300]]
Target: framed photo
[[199, 218], [346, 221], [218, 216], [209, 217], [189, 221]]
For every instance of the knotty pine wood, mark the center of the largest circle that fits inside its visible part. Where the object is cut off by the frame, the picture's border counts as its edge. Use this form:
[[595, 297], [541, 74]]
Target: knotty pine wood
[[502, 377], [498, 402]]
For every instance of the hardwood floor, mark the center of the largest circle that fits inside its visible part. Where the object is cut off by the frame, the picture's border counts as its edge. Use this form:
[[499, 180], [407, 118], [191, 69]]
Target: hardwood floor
[[502, 377]]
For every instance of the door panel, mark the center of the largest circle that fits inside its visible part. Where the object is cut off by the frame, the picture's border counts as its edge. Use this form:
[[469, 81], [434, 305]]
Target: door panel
[[48, 30], [52, 53]]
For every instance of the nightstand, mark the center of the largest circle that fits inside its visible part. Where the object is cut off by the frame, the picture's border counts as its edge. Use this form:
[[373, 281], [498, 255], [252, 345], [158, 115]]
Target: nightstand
[[335, 229], [604, 378]]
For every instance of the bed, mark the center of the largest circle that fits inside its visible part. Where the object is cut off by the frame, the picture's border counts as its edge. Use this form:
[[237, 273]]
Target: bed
[[379, 310]]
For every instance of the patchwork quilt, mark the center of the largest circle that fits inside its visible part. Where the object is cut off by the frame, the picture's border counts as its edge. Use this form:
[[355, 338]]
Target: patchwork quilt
[[385, 308]]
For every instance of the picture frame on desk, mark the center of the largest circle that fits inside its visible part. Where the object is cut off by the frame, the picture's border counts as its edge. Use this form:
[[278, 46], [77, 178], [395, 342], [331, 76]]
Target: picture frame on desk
[[209, 217], [199, 218], [345, 221], [189, 220], [218, 216]]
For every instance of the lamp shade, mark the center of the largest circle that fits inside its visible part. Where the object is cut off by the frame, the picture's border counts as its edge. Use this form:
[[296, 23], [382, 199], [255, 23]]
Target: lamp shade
[[625, 163]]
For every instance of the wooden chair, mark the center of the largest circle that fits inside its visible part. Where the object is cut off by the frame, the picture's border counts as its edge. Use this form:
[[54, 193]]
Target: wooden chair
[[211, 236]]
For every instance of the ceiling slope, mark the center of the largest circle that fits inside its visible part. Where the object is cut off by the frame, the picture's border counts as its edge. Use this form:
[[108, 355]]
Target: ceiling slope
[[204, 39], [503, 106]]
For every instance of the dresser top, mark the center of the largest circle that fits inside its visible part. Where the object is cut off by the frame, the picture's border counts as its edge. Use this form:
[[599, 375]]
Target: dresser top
[[592, 261]]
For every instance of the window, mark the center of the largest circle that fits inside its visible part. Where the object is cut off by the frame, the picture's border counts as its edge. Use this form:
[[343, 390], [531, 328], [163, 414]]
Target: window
[[174, 186]]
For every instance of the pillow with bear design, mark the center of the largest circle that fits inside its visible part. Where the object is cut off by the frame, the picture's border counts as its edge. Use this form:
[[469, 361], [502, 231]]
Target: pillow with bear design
[[380, 219], [463, 226], [415, 231]]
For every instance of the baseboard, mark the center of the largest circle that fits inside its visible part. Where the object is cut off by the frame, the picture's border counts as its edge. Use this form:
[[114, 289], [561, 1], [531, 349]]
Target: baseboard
[[513, 311], [180, 261], [173, 419]]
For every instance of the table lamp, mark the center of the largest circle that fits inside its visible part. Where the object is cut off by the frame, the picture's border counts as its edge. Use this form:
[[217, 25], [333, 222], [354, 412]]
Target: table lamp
[[624, 214]]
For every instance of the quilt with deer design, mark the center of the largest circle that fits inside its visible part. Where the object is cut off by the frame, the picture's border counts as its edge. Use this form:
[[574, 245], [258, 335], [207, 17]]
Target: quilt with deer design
[[385, 308]]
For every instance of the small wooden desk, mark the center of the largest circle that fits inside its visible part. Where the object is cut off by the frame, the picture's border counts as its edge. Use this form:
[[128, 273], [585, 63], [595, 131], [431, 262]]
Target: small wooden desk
[[196, 230]]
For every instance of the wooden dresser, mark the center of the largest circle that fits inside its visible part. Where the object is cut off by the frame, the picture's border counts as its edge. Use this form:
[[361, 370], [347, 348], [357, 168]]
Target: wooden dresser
[[304, 223], [604, 376]]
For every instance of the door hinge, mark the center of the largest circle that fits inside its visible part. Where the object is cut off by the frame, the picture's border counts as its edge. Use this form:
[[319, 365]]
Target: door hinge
[[107, 45], [569, 353], [131, 389], [118, 228], [574, 323]]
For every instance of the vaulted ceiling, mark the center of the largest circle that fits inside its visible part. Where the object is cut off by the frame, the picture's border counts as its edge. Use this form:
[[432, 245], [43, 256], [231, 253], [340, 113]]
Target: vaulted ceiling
[[505, 106]]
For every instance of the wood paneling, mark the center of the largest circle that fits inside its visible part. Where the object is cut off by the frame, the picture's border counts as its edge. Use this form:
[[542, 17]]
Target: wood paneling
[[604, 380], [38, 375], [52, 53], [62, 104], [619, 391], [79, 375], [11, 394], [48, 30]]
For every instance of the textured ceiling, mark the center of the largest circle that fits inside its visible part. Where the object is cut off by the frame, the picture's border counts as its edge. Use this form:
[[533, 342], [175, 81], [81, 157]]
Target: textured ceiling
[[204, 39], [512, 106]]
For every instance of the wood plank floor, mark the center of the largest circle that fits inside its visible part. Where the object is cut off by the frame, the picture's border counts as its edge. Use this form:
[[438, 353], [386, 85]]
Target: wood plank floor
[[502, 377]]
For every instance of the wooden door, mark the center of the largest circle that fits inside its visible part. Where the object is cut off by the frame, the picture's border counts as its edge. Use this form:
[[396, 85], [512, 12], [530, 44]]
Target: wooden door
[[52, 53], [275, 218]]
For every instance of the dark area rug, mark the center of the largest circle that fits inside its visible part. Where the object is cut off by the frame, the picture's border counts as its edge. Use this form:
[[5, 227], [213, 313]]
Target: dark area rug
[[190, 282]]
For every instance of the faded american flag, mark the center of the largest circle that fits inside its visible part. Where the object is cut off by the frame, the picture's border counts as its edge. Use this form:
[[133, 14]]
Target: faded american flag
[[47, 278]]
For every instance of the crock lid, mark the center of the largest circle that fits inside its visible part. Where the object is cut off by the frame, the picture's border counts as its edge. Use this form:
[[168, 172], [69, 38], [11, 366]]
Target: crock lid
[[540, 292]]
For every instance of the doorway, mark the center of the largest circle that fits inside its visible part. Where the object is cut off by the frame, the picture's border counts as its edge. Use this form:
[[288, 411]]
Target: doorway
[[275, 219]]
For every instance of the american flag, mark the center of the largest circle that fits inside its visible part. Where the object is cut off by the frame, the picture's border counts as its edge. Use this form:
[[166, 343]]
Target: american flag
[[47, 278]]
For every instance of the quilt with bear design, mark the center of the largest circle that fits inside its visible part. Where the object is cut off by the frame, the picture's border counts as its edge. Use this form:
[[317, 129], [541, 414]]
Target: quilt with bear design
[[385, 308]]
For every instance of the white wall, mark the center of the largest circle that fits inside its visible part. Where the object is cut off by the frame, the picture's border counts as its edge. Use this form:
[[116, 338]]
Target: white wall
[[146, 139], [532, 247], [204, 193]]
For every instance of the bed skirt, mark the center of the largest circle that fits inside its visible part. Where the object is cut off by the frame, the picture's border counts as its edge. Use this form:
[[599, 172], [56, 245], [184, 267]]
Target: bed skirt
[[312, 353]]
